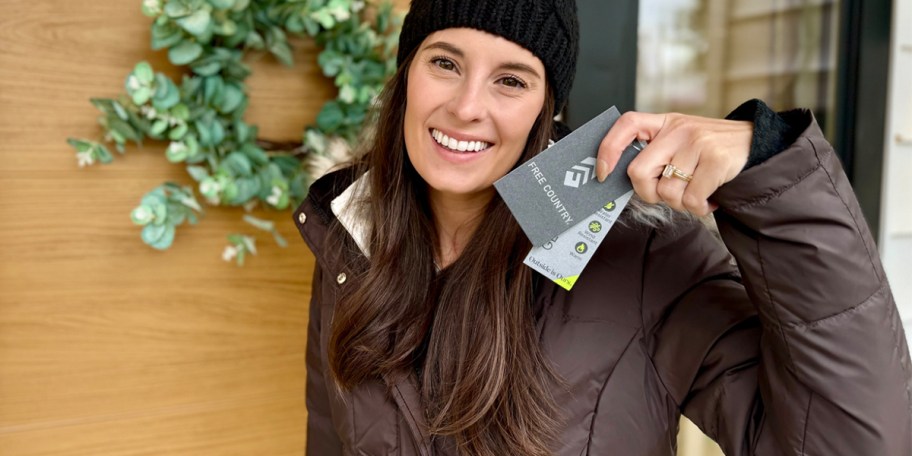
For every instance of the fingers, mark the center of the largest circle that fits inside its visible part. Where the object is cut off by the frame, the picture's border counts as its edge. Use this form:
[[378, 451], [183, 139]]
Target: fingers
[[710, 151], [629, 127]]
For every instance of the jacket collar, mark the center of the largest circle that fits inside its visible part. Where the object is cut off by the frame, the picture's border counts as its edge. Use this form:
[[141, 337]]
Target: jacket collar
[[336, 196]]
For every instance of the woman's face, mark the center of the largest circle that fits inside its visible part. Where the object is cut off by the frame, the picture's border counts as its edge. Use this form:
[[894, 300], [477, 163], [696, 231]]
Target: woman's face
[[472, 99]]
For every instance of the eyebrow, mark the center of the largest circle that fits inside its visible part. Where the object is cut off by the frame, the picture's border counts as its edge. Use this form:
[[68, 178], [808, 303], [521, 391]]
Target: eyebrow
[[509, 66]]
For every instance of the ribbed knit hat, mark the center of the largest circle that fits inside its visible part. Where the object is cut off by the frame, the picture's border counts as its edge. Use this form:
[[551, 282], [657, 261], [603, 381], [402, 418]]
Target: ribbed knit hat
[[547, 28]]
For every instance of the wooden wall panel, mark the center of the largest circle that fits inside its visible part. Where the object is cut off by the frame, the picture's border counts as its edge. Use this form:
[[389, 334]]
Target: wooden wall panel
[[108, 347]]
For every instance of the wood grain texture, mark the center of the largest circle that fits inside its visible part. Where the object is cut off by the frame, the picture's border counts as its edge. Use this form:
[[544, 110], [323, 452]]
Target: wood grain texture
[[108, 347]]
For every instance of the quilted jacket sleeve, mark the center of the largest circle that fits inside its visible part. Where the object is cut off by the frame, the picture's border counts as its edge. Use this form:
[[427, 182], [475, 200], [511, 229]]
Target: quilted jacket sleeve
[[809, 356], [321, 436]]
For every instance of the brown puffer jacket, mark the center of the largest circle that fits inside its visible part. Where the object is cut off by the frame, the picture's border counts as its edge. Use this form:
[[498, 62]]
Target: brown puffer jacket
[[798, 350]]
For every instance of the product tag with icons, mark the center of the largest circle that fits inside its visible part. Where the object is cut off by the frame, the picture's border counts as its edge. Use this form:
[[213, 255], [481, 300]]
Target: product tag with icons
[[563, 258], [559, 203], [557, 189]]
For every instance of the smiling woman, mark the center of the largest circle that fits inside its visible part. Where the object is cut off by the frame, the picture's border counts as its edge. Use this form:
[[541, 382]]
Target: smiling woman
[[486, 92], [429, 336]]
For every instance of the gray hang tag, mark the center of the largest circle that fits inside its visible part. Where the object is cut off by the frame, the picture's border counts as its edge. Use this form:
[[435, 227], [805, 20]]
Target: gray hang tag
[[563, 258], [557, 189]]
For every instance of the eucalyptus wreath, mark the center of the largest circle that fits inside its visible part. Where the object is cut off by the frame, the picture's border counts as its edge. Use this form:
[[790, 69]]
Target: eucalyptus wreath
[[202, 117]]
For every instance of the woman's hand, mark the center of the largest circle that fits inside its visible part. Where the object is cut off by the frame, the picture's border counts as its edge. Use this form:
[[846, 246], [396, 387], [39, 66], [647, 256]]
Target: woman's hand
[[713, 151]]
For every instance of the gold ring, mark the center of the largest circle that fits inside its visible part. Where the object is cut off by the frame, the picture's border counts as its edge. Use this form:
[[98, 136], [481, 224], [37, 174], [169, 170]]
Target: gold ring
[[671, 171]]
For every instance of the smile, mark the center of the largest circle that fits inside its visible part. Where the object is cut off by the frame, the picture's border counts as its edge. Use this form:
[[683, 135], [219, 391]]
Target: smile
[[456, 145]]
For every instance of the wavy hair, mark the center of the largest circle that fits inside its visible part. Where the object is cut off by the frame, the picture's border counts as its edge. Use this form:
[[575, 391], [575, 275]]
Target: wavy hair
[[468, 330]]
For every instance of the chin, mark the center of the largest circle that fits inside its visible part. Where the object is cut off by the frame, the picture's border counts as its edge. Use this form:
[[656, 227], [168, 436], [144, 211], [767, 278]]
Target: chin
[[457, 186]]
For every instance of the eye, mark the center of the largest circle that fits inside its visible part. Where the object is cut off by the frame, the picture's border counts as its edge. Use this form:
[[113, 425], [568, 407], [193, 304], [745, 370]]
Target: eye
[[513, 82], [443, 63]]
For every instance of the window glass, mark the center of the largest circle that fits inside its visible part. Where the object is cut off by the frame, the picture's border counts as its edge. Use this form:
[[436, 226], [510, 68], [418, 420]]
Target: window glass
[[706, 57]]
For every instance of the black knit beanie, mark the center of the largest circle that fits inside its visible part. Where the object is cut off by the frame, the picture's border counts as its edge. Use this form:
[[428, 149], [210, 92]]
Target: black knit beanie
[[547, 28]]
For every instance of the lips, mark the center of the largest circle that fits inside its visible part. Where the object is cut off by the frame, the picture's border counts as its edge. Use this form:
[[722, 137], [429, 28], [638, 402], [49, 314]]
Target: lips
[[457, 145]]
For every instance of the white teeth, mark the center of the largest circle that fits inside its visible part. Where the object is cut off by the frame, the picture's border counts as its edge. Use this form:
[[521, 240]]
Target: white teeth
[[456, 145]]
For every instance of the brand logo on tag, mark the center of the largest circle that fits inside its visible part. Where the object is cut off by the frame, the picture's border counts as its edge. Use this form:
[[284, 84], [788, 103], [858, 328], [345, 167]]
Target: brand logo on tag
[[580, 174]]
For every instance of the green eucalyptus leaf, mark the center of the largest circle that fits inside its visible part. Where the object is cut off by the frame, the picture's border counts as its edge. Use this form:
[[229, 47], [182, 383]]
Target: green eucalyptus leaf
[[216, 133], [230, 192], [255, 41], [158, 127], [143, 72], [212, 89], [161, 86], [177, 152], [247, 188], [196, 23], [222, 4], [331, 117], [117, 137], [279, 239], [198, 173], [175, 9], [331, 62], [193, 147], [123, 129], [120, 111], [165, 38], [240, 5], [169, 100], [80, 145], [311, 26], [295, 24], [324, 18], [141, 95], [178, 131], [232, 98], [347, 94], [105, 105], [165, 240], [176, 215], [241, 131], [205, 135], [184, 53], [265, 225], [282, 52], [102, 153], [152, 233], [256, 154], [207, 68], [156, 202], [180, 111], [225, 28], [238, 164]]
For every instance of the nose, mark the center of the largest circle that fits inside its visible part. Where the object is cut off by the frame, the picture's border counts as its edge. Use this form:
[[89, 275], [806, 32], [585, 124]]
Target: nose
[[468, 102]]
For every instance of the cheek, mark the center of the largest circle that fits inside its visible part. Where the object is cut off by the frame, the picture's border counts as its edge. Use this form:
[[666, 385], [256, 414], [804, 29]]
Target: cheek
[[517, 125]]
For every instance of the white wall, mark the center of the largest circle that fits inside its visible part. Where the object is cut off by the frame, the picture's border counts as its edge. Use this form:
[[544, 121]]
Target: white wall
[[896, 210]]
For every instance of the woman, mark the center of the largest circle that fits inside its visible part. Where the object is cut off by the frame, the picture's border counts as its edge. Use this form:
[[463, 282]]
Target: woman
[[429, 336]]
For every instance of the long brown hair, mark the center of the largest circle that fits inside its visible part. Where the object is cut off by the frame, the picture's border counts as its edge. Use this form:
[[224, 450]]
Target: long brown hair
[[484, 379]]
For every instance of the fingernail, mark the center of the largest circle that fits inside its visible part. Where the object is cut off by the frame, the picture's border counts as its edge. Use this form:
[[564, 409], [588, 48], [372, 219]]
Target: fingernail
[[601, 170]]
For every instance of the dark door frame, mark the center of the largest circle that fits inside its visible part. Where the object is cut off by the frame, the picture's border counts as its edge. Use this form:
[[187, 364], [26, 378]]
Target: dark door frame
[[861, 99]]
